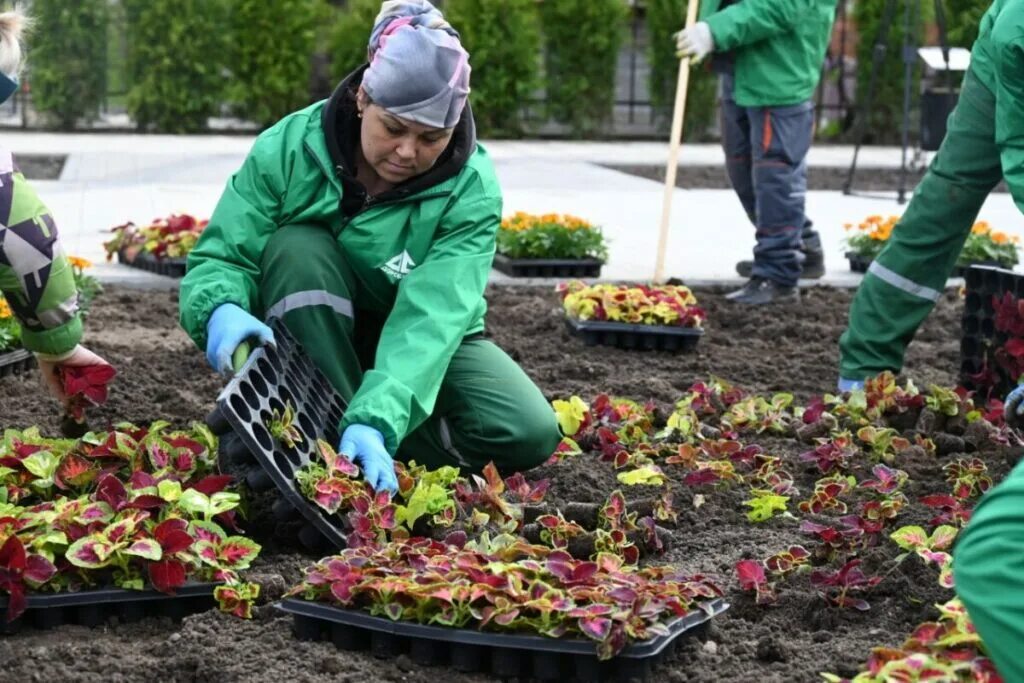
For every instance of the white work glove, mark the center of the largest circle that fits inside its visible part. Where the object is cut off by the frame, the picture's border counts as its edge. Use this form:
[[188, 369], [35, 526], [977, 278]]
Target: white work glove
[[695, 42]]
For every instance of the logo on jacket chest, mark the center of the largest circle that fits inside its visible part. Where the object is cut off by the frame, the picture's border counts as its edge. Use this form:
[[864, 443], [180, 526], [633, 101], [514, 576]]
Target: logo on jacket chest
[[399, 266]]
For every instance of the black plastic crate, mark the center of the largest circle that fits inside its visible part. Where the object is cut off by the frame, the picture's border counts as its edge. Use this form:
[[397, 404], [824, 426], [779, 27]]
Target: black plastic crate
[[635, 337], [979, 338], [271, 379], [506, 656], [15, 362], [95, 607], [171, 267], [560, 268]]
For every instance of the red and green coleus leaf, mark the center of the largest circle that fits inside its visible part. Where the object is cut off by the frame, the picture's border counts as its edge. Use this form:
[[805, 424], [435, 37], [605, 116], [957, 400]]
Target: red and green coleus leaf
[[233, 552], [18, 568], [783, 563], [167, 574], [75, 472], [237, 598], [85, 386], [835, 585], [752, 578], [173, 536], [573, 416], [146, 548]]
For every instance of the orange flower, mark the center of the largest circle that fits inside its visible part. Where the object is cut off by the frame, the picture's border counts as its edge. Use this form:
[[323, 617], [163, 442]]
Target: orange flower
[[5, 309], [981, 228], [79, 262], [999, 237]]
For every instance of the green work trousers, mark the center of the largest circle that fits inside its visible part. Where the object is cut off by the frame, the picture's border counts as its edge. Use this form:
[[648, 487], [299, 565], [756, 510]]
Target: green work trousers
[[487, 408], [904, 282], [988, 567]]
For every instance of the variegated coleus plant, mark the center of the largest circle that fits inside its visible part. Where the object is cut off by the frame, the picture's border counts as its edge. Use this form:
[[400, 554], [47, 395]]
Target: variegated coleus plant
[[136, 507], [506, 584]]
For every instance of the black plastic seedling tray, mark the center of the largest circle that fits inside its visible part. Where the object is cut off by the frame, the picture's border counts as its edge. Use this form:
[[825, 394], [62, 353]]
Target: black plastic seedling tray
[[17, 361], [860, 264], [562, 268], [979, 337], [638, 337], [502, 655], [95, 607], [171, 267], [270, 379]]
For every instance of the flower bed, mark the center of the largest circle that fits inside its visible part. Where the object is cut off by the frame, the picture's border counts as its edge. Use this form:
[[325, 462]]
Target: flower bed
[[549, 245]]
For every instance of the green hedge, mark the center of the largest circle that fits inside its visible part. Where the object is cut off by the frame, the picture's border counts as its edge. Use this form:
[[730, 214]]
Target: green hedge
[[68, 59], [503, 40], [175, 63], [582, 40], [962, 19], [349, 36], [664, 18], [272, 42], [885, 119]]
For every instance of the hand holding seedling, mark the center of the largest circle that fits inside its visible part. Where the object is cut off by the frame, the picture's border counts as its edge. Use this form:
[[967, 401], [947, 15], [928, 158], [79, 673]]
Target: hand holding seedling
[[365, 446], [229, 327], [50, 367]]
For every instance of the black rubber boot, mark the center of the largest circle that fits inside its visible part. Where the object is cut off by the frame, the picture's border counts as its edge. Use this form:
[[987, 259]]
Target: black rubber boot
[[813, 267]]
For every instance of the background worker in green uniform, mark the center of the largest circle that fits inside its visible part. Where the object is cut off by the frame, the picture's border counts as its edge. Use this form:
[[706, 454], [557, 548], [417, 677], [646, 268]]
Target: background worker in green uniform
[[367, 224], [988, 564], [769, 55], [35, 277], [984, 143]]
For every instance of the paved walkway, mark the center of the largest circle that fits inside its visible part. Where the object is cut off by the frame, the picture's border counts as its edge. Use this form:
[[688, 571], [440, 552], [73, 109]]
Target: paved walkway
[[112, 178]]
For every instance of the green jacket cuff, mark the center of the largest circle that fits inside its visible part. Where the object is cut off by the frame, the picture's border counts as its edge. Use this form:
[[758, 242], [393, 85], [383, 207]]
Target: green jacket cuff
[[54, 341]]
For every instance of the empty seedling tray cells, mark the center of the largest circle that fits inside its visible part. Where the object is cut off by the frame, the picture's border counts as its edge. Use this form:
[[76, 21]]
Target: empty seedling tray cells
[[274, 381]]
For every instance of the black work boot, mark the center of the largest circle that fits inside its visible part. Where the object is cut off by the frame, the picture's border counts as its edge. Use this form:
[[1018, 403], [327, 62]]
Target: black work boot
[[813, 267], [759, 290]]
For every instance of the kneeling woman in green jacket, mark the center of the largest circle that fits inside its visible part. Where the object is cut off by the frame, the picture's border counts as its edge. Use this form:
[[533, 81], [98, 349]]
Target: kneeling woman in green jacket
[[367, 224]]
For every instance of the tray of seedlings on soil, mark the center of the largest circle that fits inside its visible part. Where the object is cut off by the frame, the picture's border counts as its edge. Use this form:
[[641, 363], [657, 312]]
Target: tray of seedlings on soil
[[984, 246], [549, 245], [878, 487], [992, 331], [471, 570], [128, 523], [160, 247], [642, 317], [13, 358]]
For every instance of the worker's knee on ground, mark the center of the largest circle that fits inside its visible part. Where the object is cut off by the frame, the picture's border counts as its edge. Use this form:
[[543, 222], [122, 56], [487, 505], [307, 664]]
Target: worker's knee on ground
[[520, 441]]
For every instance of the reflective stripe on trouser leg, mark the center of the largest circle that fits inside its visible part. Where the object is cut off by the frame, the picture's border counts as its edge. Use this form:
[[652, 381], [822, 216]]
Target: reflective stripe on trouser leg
[[446, 442], [907, 277], [312, 297]]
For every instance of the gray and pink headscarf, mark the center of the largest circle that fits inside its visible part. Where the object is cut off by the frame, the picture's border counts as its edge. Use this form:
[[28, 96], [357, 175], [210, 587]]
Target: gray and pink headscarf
[[418, 68]]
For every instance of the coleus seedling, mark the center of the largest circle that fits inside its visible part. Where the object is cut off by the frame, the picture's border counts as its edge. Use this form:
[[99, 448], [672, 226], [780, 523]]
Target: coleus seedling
[[752, 578], [969, 477], [282, 427], [835, 586], [85, 386], [20, 571], [759, 414], [883, 443], [930, 548], [833, 454], [827, 493], [952, 510], [510, 586], [764, 505]]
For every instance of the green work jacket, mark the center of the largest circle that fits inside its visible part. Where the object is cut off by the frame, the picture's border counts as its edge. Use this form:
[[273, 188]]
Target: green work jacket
[[421, 254], [779, 46]]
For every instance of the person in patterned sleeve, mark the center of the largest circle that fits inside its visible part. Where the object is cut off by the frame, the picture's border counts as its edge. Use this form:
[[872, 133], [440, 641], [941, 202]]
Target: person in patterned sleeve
[[35, 276]]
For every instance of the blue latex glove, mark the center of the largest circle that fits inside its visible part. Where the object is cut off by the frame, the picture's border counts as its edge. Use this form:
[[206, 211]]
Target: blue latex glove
[[365, 446], [229, 326], [844, 385], [1013, 408]]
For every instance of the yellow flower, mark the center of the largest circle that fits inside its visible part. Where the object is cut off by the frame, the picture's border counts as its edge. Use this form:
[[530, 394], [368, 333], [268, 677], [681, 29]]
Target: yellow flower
[[5, 309], [981, 228], [79, 262], [999, 237]]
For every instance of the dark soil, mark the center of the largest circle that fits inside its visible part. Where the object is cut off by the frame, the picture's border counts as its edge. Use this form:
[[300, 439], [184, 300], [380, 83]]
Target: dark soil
[[866, 179], [41, 166], [763, 350]]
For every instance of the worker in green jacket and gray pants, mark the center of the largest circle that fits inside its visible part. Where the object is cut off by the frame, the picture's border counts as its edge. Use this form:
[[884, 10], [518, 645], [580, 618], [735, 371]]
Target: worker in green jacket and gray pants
[[984, 144], [367, 224], [769, 55]]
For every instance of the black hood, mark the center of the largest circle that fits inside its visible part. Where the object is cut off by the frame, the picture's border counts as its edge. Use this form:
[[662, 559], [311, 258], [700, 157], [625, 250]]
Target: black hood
[[341, 129]]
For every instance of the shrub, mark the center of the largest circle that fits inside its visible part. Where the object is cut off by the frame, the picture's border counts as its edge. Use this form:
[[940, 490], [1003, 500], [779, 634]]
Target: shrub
[[69, 59], [581, 41], [550, 236], [665, 17], [962, 19], [884, 121], [270, 47], [175, 73], [503, 41], [349, 36]]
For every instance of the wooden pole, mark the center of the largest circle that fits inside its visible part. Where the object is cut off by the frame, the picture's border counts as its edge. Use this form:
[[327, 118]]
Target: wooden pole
[[673, 155]]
